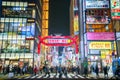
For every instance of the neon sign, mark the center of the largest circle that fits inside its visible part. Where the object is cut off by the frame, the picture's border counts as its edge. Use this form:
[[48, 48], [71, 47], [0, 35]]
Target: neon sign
[[58, 41]]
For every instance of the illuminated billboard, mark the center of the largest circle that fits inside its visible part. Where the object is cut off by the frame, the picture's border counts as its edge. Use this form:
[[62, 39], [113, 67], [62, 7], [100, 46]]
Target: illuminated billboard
[[97, 4], [100, 36], [100, 45], [90, 19], [115, 9], [76, 24], [76, 27]]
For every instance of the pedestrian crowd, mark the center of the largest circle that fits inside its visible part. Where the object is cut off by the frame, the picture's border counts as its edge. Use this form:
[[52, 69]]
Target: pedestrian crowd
[[58, 70]]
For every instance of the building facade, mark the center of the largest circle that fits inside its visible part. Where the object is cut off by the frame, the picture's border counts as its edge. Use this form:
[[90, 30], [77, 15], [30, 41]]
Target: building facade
[[20, 25], [98, 32]]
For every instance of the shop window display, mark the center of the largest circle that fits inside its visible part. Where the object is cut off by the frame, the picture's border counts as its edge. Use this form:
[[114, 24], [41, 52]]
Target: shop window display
[[14, 46]]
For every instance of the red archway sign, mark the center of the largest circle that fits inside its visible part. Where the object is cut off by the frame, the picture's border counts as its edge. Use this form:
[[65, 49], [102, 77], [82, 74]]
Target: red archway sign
[[58, 41]]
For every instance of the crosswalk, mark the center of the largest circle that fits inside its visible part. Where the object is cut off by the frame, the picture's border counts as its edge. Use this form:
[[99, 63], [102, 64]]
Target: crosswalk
[[42, 76]]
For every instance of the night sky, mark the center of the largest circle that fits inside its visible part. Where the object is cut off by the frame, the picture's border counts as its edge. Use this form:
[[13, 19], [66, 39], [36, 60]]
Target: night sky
[[59, 17]]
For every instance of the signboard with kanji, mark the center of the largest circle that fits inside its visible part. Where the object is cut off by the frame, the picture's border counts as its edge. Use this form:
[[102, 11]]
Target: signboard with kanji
[[115, 9], [97, 4]]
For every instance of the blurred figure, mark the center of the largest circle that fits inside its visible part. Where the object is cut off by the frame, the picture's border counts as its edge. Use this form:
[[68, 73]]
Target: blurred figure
[[86, 69], [60, 71], [56, 70], [35, 70], [51, 69], [78, 70], [65, 71], [105, 69], [41, 68], [47, 70], [97, 70], [118, 71], [23, 70]]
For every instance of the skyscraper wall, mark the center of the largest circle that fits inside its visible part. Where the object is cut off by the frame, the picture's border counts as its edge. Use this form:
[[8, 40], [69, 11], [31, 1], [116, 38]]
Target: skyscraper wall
[[19, 26]]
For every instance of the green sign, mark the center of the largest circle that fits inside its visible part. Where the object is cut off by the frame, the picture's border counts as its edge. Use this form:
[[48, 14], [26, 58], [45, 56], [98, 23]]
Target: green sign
[[115, 13]]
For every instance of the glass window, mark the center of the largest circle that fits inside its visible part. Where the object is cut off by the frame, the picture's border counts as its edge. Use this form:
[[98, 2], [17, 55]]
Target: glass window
[[17, 4], [9, 35], [7, 20], [24, 20], [11, 20], [16, 19], [2, 19], [14, 26], [31, 47], [3, 3], [25, 4], [10, 27], [12, 3], [5, 44], [8, 56], [6, 27], [1, 30], [20, 19], [5, 36], [0, 44], [8, 3], [1, 25], [21, 3]]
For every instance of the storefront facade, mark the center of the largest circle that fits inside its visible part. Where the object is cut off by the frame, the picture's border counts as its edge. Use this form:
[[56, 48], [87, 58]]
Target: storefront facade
[[100, 48]]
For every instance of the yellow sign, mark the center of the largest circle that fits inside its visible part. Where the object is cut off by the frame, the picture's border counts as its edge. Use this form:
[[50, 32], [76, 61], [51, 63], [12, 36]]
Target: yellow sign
[[100, 45]]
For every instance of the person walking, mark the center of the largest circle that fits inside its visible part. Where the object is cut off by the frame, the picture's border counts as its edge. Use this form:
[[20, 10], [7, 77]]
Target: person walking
[[105, 69], [35, 70], [97, 70], [118, 71], [47, 70], [65, 71], [56, 70], [60, 71], [86, 69]]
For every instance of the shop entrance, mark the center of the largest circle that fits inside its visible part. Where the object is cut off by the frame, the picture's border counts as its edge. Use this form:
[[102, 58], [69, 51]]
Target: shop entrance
[[59, 41]]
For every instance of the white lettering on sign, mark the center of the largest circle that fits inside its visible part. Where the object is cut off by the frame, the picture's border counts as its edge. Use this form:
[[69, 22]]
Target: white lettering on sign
[[57, 40]]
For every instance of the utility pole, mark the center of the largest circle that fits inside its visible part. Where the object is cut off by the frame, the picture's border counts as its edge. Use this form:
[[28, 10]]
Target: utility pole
[[82, 27]]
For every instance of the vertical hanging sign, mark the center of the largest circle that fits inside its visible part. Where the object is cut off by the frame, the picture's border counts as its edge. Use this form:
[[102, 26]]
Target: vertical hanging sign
[[115, 9]]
